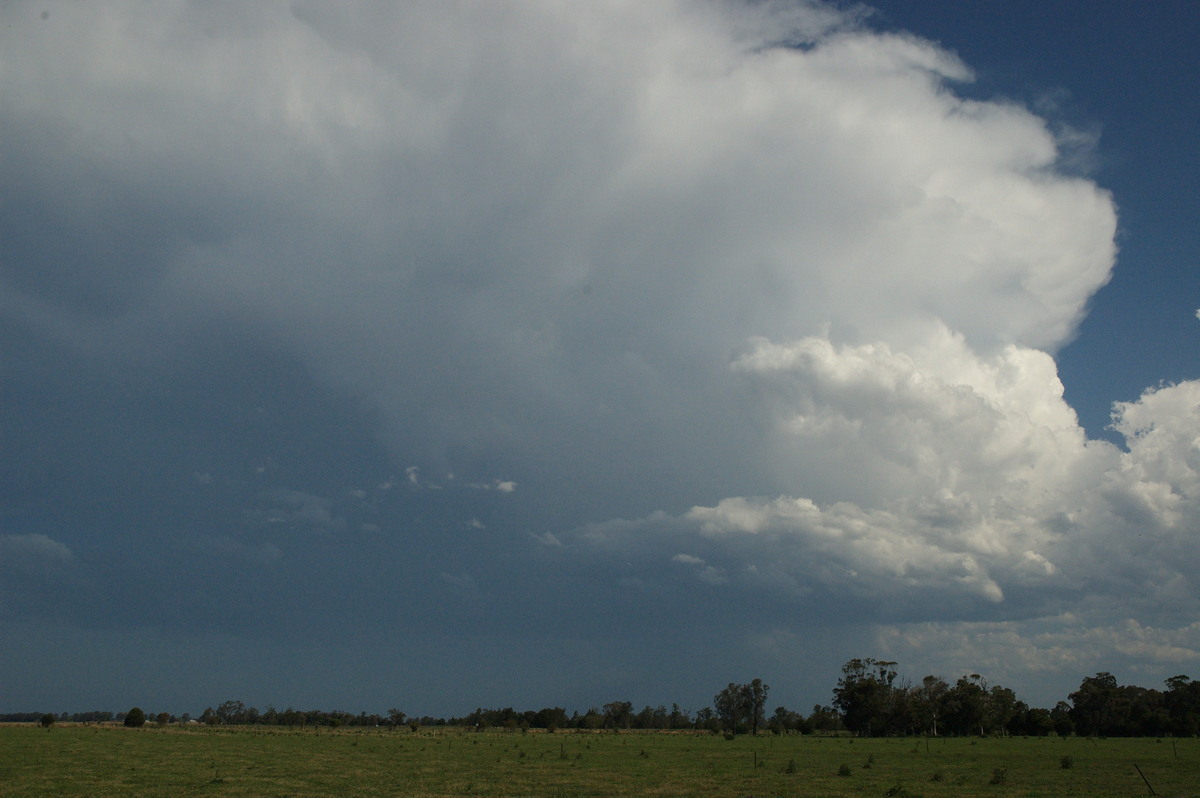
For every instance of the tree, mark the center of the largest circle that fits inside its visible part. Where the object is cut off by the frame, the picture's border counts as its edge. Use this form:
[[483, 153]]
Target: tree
[[966, 706], [783, 720], [550, 718], [1182, 701], [742, 705], [1038, 722], [1094, 704], [232, 712], [592, 719], [822, 719], [46, 720], [618, 714], [706, 718], [1001, 708], [730, 705], [755, 696], [865, 696], [135, 718], [928, 700], [1060, 716]]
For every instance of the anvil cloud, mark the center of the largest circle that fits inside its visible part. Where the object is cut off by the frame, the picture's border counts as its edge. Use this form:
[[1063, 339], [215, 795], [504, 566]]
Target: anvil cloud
[[570, 333]]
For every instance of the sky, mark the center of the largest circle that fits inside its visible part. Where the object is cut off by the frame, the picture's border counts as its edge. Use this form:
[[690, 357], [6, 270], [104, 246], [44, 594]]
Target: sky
[[446, 355]]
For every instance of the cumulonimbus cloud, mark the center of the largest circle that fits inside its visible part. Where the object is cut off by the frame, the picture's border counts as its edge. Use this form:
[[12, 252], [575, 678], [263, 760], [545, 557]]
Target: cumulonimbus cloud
[[753, 276]]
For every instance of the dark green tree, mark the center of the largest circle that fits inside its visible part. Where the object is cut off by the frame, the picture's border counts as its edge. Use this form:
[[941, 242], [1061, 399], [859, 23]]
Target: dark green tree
[[135, 718], [1001, 709], [730, 705], [755, 695], [1182, 702], [1094, 705], [618, 714], [232, 712], [865, 695], [928, 701], [783, 720], [966, 706], [822, 719], [1060, 716], [742, 706], [706, 718]]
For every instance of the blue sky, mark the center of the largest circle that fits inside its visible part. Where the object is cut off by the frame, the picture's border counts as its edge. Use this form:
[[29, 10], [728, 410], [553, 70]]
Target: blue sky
[[1124, 72], [466, 355]]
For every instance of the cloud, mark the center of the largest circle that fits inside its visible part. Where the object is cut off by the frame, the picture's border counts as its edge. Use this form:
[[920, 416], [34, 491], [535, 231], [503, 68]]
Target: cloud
[[1061, 648], [34, 552], [36, 574], [228, 548], [705, 573], [1026, 568], [296, 510], [747, 300]]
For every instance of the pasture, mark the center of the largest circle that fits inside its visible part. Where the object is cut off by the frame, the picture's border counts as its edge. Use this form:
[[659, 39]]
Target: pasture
[[269, 761]]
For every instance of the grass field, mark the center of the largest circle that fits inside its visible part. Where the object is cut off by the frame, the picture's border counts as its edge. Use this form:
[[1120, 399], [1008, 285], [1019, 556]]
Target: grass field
[[92, 760]]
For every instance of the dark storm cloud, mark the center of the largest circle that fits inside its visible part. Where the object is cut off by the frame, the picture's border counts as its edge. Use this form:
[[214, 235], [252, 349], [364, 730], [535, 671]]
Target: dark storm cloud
[[377, 322]]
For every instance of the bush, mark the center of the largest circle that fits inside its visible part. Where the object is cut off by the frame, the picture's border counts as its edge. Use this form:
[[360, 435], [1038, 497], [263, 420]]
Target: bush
[[999, 776], [46, 720], [135, 718], [898, 791], [844, 770], [1066, 763]]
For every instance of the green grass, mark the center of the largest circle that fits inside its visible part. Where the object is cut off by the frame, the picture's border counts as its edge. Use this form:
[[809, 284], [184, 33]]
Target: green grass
[[91, 760]]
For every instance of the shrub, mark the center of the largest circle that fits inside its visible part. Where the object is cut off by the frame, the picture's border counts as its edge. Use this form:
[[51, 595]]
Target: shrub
[[999, 776], [46, 720], [898, 791], [844, 770], [1066, 763], [135, 718]]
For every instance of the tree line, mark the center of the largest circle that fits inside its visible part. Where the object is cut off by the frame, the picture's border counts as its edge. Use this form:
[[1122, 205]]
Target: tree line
[[870, 699]]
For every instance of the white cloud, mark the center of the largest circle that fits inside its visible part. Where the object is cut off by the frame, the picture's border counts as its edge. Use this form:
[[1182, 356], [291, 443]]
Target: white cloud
[[295, 509], [229, 548], [32, 552], [704, 572], [1021, 653], [640, 260], [978, 484], [462, 585]]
